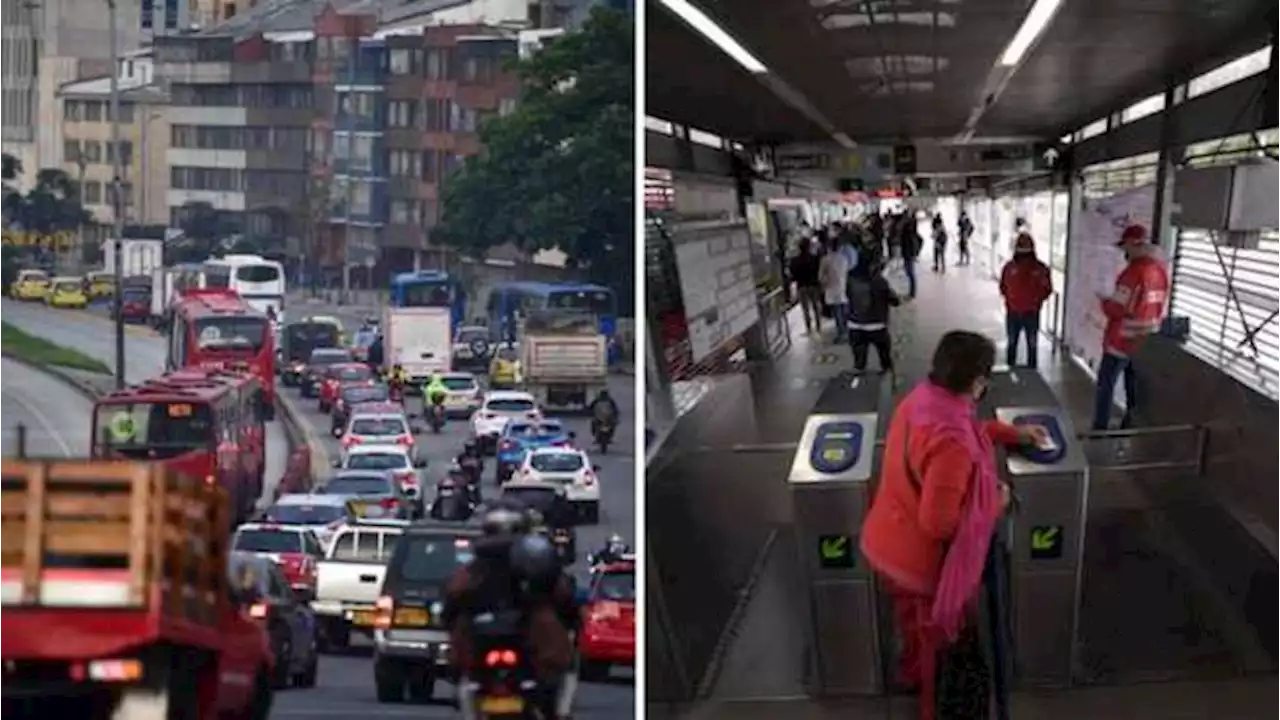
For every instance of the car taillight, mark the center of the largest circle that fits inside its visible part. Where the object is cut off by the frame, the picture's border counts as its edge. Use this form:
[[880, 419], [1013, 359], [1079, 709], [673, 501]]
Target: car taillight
[[501, 658], [608, 610], [404, 440], [259, 610], [350, 440], [384, 610], [588, 478], [507, 445], [389, 503], [407, 477]]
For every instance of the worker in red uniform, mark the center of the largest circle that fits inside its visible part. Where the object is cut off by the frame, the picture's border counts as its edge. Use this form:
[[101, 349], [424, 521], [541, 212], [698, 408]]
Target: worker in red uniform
[[1025, 284], [933, 516], [1133, 311]]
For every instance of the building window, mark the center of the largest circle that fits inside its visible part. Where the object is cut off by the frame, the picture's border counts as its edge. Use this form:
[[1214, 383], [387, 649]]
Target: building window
[[91, 192], [404, 163], [400, 61], [92, 151], [201, 178], [506, 106], [1232, 72], [430, 166], [93, 111], [361, 198], [437, 115], [437, 64], [357, 104], [73, 110], [400, 113], [362, 154], [401, 212], [126, 152], [71, 150]]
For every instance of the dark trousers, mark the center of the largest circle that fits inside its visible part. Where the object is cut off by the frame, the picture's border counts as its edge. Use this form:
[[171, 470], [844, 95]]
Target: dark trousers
[[1109, 370], [939, 257], [1022, 325], [964, 252], [909, 267], [860, 340]]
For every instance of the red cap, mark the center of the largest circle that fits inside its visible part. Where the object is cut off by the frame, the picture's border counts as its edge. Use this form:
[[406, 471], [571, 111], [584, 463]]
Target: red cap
[[1133, 235], [1024, 243]]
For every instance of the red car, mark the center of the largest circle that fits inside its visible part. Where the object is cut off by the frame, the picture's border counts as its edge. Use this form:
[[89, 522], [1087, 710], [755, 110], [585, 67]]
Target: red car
[[293, 547], [608, 636], [335, 376]]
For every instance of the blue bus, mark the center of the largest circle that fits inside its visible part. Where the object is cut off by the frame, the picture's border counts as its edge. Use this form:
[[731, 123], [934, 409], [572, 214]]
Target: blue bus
[[506, 298], [430, 288]]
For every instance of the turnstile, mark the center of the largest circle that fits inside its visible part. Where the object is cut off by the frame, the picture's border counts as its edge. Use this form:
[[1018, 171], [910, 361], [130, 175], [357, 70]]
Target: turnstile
[[831, 480], [1047, 532]]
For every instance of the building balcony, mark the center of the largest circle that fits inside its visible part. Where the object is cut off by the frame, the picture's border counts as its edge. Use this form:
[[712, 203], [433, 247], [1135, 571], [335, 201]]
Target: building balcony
[[194, 73], [271, 72], [279, 116]]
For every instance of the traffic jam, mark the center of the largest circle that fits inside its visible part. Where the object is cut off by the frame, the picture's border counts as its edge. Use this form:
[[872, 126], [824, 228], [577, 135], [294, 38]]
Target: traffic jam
[[355, 561]]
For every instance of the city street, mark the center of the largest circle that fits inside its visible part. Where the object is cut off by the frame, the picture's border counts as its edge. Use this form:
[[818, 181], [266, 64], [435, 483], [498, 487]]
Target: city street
[[55, 416]]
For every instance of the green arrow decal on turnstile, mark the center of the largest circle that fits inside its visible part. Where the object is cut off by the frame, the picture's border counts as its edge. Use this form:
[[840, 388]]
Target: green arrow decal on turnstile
[[1046, 542], [835, 552], [834, 547]]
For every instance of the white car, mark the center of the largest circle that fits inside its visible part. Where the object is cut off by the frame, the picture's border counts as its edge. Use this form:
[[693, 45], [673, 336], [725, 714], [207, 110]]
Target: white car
[[498, 407], [397, 460], [322, 514], [381, 424], [464, 394], [569, 468]]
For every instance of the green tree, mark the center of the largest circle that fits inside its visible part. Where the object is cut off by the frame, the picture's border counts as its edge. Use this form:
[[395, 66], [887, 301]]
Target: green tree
[[202, 228], [558, 171], [52, 205]]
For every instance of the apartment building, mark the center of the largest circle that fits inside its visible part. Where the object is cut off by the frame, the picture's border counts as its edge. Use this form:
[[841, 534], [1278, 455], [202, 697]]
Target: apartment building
[[88, 153]]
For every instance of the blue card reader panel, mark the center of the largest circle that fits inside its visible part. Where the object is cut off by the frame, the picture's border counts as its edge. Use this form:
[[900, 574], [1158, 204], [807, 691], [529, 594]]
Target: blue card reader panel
[[1044, 455], [837, 447]]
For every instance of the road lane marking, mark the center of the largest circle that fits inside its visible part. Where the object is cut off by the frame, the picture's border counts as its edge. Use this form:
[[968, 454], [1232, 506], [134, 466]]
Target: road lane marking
[[43, 420]]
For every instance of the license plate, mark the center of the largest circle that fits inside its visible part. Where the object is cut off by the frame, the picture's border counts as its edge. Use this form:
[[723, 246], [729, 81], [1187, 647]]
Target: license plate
[[411, 617], [506, 705], [362, 618]]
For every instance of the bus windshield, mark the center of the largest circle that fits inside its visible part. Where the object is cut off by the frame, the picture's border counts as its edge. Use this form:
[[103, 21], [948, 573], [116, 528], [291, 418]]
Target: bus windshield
[[427, 294], [231, 331], [257, 274], [597, 302], [156, 430]]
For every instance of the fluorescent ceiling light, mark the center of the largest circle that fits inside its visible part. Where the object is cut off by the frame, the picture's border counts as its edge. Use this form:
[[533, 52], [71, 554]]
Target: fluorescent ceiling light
[[1031, 29], [845, 141], [717, 35]]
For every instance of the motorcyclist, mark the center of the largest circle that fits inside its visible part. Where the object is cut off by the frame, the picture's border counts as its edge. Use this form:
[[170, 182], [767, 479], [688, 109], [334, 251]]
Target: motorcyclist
[[514, 588], [603, 409], [397, 381], [614, 548], [435, 391], [459, 474], [471, 454], [451, 502]]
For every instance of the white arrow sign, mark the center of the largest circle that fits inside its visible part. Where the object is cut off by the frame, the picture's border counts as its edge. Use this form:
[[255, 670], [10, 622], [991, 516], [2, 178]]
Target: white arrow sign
[[1051, 156]]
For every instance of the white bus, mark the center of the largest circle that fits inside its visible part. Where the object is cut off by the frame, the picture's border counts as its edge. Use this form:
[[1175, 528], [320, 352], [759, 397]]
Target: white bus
[[254, 278]]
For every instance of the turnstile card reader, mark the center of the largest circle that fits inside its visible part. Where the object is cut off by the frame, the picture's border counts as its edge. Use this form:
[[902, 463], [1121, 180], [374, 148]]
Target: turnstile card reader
[[1047, 541], [831, 480]]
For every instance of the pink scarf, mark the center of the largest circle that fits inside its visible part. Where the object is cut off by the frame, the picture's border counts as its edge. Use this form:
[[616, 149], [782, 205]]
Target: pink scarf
[[947, 414]]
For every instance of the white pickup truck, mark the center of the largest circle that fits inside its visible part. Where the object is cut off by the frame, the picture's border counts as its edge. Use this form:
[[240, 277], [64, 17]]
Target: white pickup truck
[[349, 579], [565, 359], [419, 339]]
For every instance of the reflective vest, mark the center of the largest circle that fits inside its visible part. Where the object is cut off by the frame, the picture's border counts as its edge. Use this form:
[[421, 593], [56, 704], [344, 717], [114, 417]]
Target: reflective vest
[[1136, 307]]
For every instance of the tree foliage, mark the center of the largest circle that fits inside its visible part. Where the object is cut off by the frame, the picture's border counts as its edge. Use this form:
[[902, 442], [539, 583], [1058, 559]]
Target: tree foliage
[[51, 206], [558, 171]]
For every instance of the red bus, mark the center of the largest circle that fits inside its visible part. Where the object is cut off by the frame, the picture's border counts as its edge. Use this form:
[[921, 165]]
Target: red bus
[[203, 422], [219, 329]]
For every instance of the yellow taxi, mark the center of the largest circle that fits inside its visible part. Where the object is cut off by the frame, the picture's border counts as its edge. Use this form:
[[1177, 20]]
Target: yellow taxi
[[30, 285], [504, 370], [100, 284], [67, 292]]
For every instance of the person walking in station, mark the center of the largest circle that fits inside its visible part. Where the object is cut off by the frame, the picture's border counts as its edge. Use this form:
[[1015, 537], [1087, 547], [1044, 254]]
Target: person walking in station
[[869, 298], [909, 239], [1134, 310], [932, 520], [804, 271], [964, 226], [833, 274], [939, 244], [1025, 284]]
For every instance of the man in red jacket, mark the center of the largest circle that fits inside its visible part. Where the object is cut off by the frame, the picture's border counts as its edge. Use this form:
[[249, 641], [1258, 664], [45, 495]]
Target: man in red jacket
[[1133, 310], [1025, 284]]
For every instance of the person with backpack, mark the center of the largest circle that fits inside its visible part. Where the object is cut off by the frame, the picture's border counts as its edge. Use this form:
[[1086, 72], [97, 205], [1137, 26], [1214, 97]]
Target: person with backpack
[[965, 227], [870, 298]]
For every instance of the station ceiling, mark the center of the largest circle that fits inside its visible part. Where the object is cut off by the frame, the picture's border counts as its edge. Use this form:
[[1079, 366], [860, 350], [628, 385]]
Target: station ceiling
[[884, 70]]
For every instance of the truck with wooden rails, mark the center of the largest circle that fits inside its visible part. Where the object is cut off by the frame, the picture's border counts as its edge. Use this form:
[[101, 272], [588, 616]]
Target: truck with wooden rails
[[116, 597]]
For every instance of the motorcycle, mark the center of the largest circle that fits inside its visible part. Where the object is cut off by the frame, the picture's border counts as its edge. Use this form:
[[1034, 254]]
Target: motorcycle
[[395, 392], [604, 434], [562, 538], [436, 417]]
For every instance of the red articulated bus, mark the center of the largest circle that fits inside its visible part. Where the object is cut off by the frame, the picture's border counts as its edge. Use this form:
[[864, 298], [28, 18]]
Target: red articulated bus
[[219, 329], [200, 422]]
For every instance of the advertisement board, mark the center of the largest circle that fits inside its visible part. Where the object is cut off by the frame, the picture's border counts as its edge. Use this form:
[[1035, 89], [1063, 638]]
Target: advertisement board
[[1093, 262]]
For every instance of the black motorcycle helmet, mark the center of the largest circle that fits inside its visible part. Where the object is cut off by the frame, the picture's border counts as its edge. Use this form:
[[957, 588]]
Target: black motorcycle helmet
[[469, 447], [505, 519], [534, 559]]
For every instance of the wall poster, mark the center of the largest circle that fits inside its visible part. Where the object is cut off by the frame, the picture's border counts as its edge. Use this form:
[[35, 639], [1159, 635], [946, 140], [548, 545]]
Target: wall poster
[[1093, 262]]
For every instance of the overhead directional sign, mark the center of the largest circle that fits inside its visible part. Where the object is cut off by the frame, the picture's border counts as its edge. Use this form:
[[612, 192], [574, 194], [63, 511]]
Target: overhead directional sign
[[835, 552], [1046, 542]]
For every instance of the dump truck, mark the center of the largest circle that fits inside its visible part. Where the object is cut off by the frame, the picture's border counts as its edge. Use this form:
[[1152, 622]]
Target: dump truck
[[116, 596], [564, 357]]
